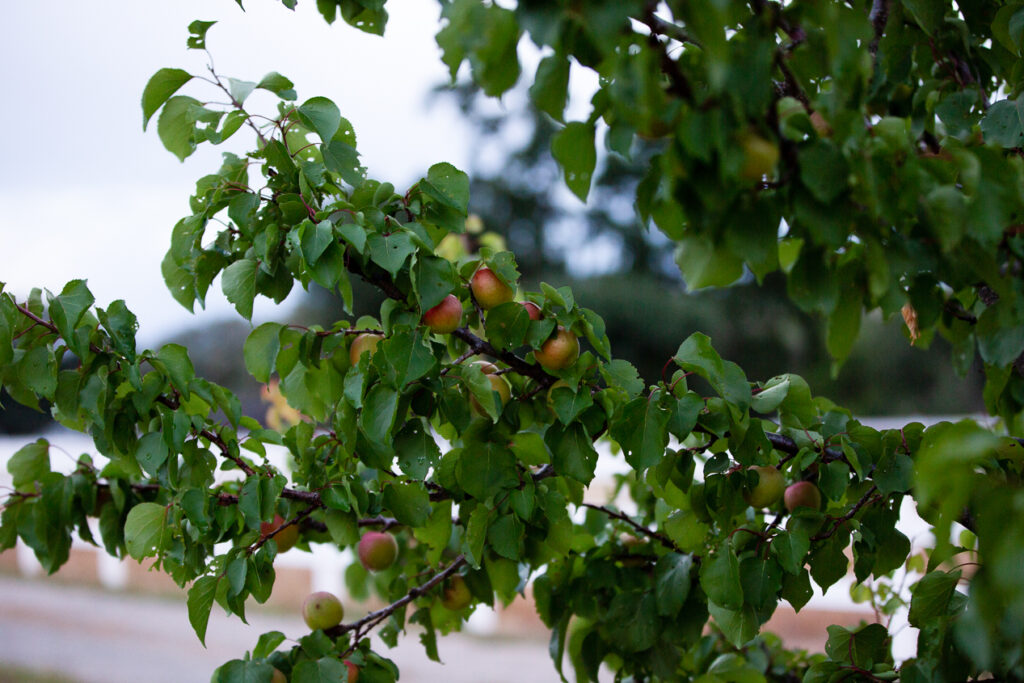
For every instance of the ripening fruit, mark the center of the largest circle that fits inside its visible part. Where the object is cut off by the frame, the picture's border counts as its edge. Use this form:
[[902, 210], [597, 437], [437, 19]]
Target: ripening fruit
[[802, 494], [759, 157], [498, 383], [321, 610], [353, 672], [278, 677], [456, 595], [377, 550], [558, 352], [445, 317], [769, 488], [532, 310], [363, 343], [488, 290], [286, 538]]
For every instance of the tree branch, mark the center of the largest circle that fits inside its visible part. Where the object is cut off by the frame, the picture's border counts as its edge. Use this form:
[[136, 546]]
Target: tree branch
[[658, 536], [371, 620]]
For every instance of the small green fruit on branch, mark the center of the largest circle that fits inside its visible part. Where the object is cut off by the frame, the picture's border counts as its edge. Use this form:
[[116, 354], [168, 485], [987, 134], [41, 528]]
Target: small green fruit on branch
[[769, 488], [363, 626], [456, 595], [322, 610]]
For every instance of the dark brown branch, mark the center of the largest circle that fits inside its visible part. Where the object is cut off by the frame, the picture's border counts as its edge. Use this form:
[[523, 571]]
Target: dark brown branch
[[879, 16], [481, 346], [364, 625], [658, 536], [868, 498]]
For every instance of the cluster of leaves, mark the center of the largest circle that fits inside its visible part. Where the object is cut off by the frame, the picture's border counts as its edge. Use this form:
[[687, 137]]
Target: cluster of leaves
[[414, 438]]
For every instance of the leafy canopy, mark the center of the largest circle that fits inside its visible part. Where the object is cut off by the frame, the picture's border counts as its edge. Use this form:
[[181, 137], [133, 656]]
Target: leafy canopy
[[870, 152]]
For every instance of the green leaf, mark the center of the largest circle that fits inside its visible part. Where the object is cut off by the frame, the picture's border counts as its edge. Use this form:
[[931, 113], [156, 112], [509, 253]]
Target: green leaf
[[321, 115], [200, 602], [391, 250], [641, 428], [176, 127], [448, 185], [152, 452], [529, 448], [550, 88], [632, 621], [863, 647], [573, 148], [324, 670], [279, 85], [569, 404], [485, 470], [29, 464], [572, 451], [343, 159], [761, 580], [931, 596], [672, 582], [314, 239], [1002, 125], [704, 264], [197, 34], [410, 503], [417, 450], [720, 579], [158, 90], [823, 170], [244, 671], [179, 367], [926, 13], [261, 349], [739, 625], [696, 355], [145, 530], [239, 284]]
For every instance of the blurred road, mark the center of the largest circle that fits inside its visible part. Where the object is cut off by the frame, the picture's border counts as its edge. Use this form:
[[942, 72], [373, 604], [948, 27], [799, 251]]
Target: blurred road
[[96, 636]]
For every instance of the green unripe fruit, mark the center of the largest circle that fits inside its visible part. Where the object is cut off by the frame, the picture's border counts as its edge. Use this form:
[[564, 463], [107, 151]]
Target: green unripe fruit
[[456, 595], [769, 488], [322, 610]]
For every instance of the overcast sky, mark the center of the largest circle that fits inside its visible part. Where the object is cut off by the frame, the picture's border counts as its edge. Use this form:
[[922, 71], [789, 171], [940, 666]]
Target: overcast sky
[[85, 193]]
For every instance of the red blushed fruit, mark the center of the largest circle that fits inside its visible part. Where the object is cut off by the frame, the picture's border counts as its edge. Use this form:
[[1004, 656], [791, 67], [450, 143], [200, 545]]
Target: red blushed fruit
[[532, 310], [285, 538], [445, 317], [802, 494], [559, 352], [377, 550], [353, 672], [488, 290]]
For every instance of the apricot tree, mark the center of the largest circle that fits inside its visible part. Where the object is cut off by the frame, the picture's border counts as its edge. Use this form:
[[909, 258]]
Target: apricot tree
[[869, 151]]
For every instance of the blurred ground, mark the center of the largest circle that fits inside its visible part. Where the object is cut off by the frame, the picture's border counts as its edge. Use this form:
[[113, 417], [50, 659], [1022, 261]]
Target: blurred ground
[[97, 636]]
